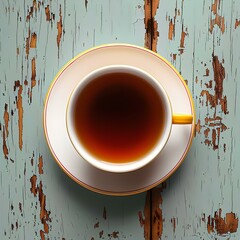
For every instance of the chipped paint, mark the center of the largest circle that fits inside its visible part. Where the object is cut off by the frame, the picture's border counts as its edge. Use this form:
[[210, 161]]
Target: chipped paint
[[182, 41], [212, 95], [5, 148], [219, 76], [155, 33], [209, 84], [47, 12], [151, 25], [174, 224], [40, 165], [174, 57], [33, 188], [213, 127], [32, 9], [5, 131], [114, 234], [100, 234], [146, 221], [157, 216], [171, 30], [59, 28], [96, 225], [33, 41], [28, 43], [20, 207], [42, 235], [198, 127], [44, 214], [206, 132], [33, 79], [214, 139], [217, 19], [237, 23], [153, 217], [6, 119], [147, 21], [222, 225], [215, 181], [141, 219], [37, 190], [20, 112], [172, 24], [207, 74], [50, 16]]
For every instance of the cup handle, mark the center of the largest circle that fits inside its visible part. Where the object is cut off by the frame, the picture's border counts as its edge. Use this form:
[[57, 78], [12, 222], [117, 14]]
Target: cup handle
[[182, 119]]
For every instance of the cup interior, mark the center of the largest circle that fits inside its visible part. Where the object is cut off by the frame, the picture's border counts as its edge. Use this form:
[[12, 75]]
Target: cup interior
[[78, 97]]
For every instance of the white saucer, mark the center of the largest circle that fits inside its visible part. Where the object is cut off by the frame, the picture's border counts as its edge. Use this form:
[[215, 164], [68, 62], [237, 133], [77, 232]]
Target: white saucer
[[55, 120]]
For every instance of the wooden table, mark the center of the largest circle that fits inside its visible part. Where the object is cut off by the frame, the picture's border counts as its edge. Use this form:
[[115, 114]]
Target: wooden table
[[200, 38]]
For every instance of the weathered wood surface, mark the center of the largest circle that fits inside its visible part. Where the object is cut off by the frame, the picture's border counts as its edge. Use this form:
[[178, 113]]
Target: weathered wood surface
[[200, 38]]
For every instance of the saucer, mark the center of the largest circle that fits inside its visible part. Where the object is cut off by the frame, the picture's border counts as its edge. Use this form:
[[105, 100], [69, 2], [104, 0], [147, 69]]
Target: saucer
[[163, 166]]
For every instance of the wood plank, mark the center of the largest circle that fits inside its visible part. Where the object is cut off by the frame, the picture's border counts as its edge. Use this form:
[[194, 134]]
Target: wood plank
[[38, 201], [200, 39]]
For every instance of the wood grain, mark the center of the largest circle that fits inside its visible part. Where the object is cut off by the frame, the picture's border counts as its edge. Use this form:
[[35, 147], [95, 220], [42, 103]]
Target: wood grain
[[38, 201], [200, 38]]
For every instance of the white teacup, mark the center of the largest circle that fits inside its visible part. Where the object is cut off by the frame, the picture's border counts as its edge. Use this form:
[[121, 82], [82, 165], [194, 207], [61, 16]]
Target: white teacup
[[86, 100]]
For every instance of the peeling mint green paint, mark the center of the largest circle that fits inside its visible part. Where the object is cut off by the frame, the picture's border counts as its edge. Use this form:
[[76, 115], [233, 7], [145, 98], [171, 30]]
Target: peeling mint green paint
[[207, 181], [74, 211]]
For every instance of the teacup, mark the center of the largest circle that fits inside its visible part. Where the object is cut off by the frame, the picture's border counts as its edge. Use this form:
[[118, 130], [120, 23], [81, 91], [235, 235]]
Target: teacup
[[119, 118]]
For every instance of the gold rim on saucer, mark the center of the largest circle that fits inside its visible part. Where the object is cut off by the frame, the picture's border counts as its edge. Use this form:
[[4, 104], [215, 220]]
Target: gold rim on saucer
[[135, 191]]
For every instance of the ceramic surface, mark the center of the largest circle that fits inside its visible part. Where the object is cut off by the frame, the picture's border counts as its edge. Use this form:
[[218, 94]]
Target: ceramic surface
[[55, 120]]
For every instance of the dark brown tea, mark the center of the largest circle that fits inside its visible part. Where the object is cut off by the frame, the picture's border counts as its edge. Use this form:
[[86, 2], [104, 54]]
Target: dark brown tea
[[118, 117]]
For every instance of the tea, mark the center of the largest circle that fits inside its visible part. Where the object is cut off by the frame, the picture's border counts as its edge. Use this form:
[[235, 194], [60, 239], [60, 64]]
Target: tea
[[118, 117]]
